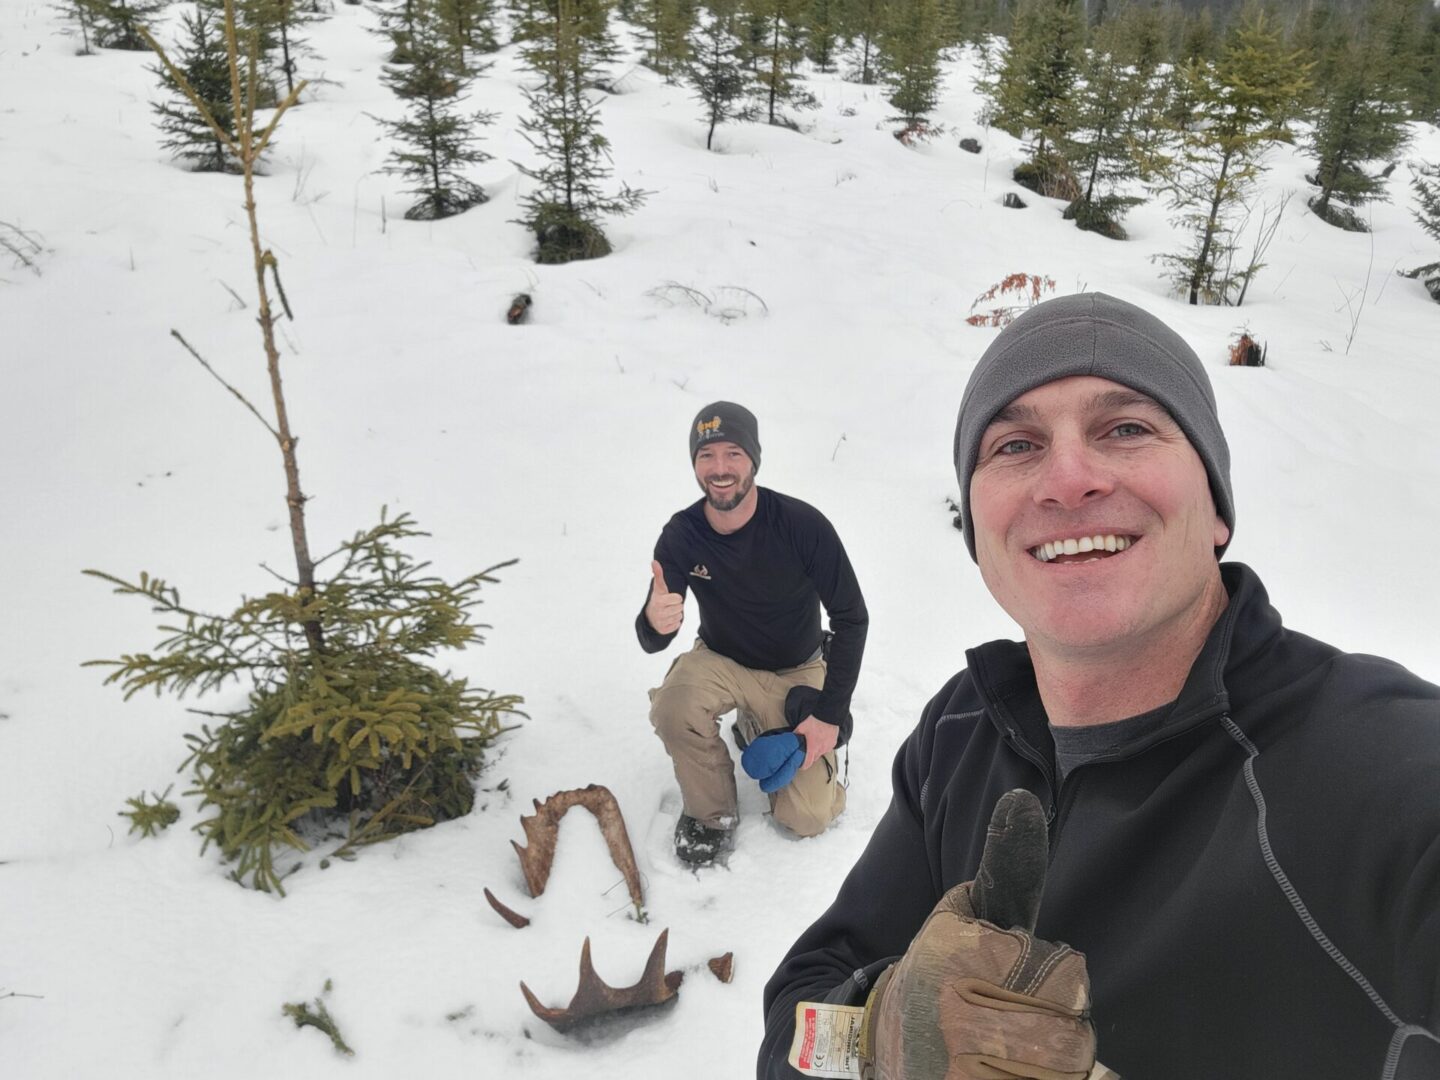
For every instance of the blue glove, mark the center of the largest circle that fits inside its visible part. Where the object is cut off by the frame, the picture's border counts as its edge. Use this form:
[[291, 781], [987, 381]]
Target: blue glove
[[774, 758]]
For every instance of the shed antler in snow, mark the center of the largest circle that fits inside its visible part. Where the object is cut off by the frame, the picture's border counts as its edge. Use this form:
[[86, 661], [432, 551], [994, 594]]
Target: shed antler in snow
[[594, 998], [543, 827]]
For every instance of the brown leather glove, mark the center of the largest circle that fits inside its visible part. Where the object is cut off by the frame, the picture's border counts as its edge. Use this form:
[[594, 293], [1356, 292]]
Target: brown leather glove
[[977, 996]]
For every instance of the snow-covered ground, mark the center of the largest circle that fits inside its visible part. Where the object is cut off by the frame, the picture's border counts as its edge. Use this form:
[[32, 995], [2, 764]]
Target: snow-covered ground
[[561, 442]]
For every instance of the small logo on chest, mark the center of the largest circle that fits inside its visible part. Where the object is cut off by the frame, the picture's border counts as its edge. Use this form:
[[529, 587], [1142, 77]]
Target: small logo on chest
[[701, 572]]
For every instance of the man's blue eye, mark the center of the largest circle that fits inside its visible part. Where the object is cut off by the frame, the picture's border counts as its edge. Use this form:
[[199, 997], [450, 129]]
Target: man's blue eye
[[1015, 446], [1129, 429]]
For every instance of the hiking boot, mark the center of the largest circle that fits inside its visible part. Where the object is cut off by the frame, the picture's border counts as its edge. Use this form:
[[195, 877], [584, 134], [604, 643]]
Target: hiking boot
[[697, 844]]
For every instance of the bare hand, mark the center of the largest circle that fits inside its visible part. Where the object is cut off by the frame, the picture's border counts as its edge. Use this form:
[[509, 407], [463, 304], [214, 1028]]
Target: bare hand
[[664, 611], [820, 738]]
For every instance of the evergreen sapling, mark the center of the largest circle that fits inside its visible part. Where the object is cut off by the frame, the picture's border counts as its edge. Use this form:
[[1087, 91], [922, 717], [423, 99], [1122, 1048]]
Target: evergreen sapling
[[910, 44], [1427, 213], [717, 73], [1241, 101], [1098, 140], [203, 59], [437, 141], [122, 24], [563, 126], [1361, 118]]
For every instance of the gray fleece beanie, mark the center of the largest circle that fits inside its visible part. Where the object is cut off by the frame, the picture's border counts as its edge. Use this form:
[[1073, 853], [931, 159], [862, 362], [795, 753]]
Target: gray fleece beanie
[[724, 421], [1093, 334]]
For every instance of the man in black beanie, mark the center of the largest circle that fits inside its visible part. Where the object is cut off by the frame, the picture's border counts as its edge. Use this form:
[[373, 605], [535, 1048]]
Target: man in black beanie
[[1241, 876], [760, 564]]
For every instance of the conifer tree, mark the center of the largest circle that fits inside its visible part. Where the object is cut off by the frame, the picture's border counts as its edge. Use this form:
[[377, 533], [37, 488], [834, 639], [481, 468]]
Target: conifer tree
[[470, 29], [668, 24], [775, 56], [1242, 100], [1030, 94], [1425, 78], [1138, 33], [861, 21], [204, 61], [436, 140], [117, 24], [565, 209], [716, 71], [343, 720], [821, 38], [1098, 141], [1427, 213], [81, 13], [1361, 116], [259, 26], [910, 44]]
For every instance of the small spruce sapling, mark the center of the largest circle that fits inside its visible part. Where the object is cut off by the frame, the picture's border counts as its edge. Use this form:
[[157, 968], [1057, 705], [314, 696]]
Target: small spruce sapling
[[564, 210], [123, 24], [82, 14], [910, 43], [1427, 213], [436, 140], [716, 72], [345, 723], [189, 137]]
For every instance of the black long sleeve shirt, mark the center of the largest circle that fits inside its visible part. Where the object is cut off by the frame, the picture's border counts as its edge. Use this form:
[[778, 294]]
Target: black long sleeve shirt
[[760, 589]]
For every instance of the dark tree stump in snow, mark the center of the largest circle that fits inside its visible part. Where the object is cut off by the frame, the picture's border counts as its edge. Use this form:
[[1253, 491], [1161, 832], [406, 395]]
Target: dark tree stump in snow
[[1013, 201], [970, 146]]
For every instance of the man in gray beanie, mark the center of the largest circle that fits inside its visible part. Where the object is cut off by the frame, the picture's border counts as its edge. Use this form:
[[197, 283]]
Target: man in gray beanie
[[1163, 828], [761, 565]]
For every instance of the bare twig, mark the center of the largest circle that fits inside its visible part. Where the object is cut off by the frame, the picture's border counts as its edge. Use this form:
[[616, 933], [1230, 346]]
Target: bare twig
[[837, 446], [1364, 292], [243, 400], [236, 295], [748, 292]]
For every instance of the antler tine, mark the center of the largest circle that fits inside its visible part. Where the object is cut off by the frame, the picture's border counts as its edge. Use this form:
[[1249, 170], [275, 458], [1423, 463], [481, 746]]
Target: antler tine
[[593, 997]]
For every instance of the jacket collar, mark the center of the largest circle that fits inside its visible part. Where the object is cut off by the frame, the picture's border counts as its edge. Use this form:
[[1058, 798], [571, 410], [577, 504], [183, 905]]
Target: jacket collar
[[1246, 629]]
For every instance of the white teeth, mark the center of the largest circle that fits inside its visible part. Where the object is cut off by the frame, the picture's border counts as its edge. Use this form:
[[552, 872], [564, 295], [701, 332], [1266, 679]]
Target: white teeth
[[1079, 545]]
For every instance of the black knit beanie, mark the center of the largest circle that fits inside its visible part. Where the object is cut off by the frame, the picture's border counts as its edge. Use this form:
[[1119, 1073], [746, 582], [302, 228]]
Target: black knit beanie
[[724, 421], [1093, 334]]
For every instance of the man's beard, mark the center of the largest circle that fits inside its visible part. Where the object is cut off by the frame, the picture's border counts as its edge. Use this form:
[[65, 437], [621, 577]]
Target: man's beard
[[743, 485]]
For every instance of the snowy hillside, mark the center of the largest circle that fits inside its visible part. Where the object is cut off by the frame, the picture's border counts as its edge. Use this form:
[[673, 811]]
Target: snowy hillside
[[844, 264]]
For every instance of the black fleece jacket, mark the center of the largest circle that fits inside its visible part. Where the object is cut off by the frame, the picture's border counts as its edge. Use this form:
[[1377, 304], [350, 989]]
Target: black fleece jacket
[[1256, 885], [760, 589]]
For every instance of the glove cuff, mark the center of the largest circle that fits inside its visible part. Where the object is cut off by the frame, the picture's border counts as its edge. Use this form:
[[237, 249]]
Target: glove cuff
[[866, 1049]]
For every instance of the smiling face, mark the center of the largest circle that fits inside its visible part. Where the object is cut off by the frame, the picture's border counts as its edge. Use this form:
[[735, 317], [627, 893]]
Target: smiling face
[[726, 475], [1094, 524]]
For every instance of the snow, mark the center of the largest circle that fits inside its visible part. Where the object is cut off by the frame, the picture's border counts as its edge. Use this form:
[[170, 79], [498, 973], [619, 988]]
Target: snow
[[559, 442]]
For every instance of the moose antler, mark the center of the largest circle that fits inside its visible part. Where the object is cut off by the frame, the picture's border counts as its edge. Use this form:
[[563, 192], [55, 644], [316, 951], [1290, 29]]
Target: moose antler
[[722, 967], [542, 828], [514, 918], [593, 998]]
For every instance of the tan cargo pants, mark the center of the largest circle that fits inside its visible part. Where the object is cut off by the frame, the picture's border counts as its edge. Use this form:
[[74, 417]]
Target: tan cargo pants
[[685, 710]]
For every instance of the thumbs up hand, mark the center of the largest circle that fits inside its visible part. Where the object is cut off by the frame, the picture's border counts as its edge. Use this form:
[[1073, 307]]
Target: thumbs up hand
[[977, 994], [665, 610]]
